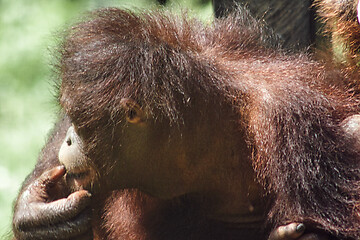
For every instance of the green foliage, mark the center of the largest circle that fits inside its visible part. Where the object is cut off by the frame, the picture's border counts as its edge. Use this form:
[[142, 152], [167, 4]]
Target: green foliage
[[27, 106]]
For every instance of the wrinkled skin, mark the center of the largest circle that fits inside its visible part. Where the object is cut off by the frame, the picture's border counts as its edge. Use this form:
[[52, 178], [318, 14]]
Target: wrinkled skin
[[39, 205]]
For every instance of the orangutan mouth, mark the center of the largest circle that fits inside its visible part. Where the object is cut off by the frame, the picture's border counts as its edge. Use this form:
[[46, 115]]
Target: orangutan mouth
[[77, 175]]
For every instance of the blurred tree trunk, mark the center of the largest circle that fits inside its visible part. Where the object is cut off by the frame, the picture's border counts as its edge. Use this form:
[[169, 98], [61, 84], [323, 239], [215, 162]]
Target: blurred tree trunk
[[291, 20]]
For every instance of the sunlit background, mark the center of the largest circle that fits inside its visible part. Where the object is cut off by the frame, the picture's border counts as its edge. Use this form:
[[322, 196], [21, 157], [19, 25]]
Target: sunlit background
[[27, 104]]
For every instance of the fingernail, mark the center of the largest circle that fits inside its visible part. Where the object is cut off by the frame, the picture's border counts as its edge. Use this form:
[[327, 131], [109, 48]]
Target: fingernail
[[300, 228], [61, 167], [57, 172]]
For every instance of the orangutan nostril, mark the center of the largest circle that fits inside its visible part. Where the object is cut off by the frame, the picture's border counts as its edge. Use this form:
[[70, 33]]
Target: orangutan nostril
[[68, 141]]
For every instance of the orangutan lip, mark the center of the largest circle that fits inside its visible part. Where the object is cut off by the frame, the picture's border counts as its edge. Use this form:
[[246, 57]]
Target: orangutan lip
[[77, 175]]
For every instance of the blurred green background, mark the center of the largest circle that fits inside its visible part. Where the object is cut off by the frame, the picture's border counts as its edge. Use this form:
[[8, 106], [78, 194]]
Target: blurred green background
[[27, 105]]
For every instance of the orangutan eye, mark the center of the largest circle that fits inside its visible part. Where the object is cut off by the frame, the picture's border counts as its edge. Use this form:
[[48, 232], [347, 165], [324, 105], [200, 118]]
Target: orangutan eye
[[131, 114], [134, 113]]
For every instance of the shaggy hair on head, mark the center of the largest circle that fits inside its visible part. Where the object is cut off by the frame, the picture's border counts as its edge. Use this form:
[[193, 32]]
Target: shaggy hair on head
[[125, 52]]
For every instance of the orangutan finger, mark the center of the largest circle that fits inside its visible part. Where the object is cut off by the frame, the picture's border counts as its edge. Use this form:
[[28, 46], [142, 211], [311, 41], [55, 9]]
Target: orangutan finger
[[77, 228], [287, 232], [39, 213]]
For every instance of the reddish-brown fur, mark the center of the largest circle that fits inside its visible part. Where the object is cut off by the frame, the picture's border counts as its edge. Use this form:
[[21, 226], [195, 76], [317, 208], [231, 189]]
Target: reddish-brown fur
[[302, 156], [341, 23], [131, 214]]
